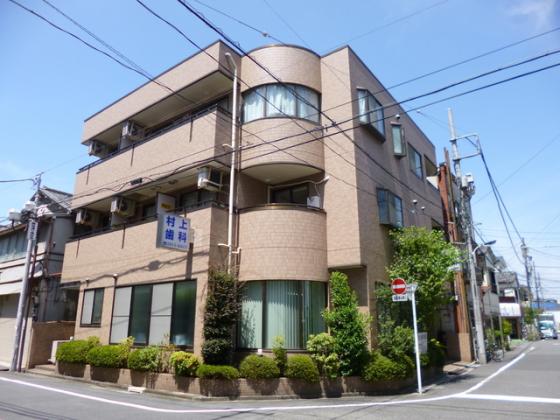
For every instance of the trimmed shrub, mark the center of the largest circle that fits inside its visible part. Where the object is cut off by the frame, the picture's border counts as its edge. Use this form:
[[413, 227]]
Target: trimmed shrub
[[395, 340], [302, 367], [321, 347], [347, 325], [382, 368], [76, 351], [279, 353], [183, 363], [436, 353], [110, 356], [217, 351], [217, 372], [259, 367], [147, 359]]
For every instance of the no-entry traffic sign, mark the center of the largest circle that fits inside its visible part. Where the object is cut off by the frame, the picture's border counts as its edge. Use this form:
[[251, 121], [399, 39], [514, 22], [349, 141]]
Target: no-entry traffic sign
[[398, 286]]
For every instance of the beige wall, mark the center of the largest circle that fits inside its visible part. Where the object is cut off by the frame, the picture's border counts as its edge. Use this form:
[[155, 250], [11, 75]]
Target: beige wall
[[282, 243], [200, 139], [180, 76], [271, 129], [289, 64]]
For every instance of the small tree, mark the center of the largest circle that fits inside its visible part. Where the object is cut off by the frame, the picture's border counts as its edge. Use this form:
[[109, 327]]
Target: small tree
[[347, 325], [222, 307], [424, 257]]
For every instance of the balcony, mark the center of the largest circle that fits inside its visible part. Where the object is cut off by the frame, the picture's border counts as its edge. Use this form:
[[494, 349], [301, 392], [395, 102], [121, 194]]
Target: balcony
[[131, 252], [190, 140], [283, 242], [271, 161]]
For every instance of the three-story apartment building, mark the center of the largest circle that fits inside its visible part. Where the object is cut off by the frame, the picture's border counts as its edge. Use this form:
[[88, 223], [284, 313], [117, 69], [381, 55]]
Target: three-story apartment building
[[327, 164]]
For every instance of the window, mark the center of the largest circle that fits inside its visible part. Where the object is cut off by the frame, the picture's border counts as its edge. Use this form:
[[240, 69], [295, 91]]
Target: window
[[278, 100], [390, 208], [151, 313], [370, 111], [92, 306], [199, 198], [296, 194], [13, 246], [431, 168], [399, 144], [415, 160], [288, 308]]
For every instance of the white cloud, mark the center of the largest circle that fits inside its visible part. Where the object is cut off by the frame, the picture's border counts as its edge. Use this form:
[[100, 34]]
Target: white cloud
[[540, 12]]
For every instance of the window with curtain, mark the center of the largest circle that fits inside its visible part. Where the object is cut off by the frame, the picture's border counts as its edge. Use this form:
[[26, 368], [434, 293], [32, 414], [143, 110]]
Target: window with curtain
[[288, 308], [390, 210], [151, 313], [92, 306], [279, 100], [415, 160], [370, 111], [399, 145]]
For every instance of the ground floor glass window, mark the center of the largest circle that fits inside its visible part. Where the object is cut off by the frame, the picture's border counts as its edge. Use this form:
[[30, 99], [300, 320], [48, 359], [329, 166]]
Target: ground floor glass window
[[288, 308]]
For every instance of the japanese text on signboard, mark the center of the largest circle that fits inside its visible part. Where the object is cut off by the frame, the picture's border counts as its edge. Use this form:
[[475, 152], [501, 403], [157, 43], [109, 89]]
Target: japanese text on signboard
[[173, 232]]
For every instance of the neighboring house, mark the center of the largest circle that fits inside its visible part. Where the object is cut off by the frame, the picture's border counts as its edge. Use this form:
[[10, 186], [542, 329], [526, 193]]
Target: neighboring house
[[510, 300], [490, 266], [309, 198], [52, 309]]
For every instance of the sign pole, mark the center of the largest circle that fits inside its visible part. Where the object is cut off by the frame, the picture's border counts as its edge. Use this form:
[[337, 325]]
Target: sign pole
[[416, 347]]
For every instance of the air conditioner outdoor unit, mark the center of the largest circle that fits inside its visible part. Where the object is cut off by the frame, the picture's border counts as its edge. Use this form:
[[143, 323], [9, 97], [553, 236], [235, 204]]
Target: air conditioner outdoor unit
[[209, 179], [132, 131], [54, 348], [87, 217], [96, 148], [123, 206]]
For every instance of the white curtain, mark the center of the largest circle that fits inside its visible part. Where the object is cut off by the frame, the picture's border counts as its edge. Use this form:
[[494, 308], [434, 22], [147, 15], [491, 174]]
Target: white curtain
[[308, 103], [253, 106], [280, 101], [121, 312], [363, 106], [160, 317]]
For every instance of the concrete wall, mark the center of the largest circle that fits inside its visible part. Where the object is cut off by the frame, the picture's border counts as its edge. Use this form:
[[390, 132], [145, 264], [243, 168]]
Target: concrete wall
[[8, 310], [42, 336]]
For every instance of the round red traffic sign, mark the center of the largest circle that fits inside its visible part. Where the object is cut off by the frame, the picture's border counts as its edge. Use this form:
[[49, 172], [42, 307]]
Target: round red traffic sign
[[398, 286]]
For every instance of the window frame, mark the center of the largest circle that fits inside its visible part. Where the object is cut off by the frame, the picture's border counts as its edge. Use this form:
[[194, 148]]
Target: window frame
[[411, 155], [393, 209], [403, 143], [95, 292], [364, 118], [293, 89], [150, 315]]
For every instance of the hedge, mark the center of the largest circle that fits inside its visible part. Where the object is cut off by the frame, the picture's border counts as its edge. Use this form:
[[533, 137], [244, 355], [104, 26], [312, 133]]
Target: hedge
[[183, 363], [75, 351], [259, 367], [217, 372], [302, 367], [381, 368], [147, 359], [111, 356]]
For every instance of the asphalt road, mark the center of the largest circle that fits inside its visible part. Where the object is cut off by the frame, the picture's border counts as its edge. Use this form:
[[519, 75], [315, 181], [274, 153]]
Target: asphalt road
[[525, 385]]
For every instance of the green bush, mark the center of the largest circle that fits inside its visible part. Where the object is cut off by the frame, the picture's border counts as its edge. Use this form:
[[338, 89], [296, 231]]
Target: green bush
[[382, 368], [279, 353], [302, 367], [147, 359], [217, 351], [436, 353], [111, 356], [321, 347], [347, 325], [75, 351], [217, 372], [506, 327], [259, 367], [395, 341], [183, 363], [220, 317]]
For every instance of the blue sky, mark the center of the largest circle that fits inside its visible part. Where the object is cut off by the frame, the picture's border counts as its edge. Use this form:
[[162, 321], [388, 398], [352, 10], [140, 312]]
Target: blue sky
[[50, 83]]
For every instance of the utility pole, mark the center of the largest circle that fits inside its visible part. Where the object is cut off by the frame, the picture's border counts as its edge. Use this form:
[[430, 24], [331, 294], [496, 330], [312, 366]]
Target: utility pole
[[526, 258], [466, 221], [32, 230]]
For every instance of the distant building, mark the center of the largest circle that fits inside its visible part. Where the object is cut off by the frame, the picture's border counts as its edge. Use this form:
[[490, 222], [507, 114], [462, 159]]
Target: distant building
[[51, 309], [309, 199]]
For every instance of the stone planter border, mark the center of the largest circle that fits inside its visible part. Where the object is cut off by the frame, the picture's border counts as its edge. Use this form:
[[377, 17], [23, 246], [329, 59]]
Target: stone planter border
[[241, 388]]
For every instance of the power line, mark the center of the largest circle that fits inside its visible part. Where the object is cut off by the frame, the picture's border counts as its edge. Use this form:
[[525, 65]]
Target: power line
[[5, 181]]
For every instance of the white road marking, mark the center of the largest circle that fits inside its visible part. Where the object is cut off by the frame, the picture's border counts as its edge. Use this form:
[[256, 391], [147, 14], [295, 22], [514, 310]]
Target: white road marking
[[280, 408], [513, 398]]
